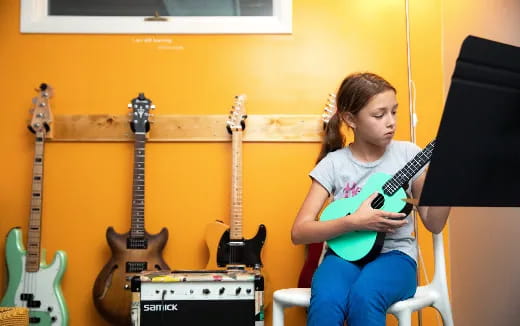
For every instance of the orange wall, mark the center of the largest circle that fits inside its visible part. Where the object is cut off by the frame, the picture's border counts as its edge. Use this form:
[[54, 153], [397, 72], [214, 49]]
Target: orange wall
[[88, 185]]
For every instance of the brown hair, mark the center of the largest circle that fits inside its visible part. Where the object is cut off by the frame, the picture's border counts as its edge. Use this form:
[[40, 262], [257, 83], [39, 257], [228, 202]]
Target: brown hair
[[354, 93]]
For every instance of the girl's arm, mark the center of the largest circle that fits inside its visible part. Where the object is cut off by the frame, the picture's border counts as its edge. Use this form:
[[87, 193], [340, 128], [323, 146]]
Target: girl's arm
[[306, 228], [433, 217]]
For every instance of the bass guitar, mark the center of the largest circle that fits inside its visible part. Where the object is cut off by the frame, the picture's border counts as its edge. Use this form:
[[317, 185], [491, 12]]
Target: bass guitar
[[361, 246], [136, 250], [226, 244], [31, 282]]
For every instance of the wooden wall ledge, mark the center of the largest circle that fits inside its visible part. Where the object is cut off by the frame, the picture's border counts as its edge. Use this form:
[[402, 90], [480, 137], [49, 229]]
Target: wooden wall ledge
[[187, 128]]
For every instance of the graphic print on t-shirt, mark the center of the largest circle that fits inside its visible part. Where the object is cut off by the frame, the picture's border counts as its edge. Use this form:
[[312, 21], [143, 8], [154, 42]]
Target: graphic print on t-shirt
[[350, 190]]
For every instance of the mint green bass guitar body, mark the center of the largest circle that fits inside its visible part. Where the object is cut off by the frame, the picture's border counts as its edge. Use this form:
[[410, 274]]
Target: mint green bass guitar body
[[38, 291], [362, 246]]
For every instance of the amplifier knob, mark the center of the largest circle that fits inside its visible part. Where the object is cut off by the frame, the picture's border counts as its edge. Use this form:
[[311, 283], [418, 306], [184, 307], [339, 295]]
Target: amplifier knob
[[237, 291], [248, 291], [221, 290], [205, 291]]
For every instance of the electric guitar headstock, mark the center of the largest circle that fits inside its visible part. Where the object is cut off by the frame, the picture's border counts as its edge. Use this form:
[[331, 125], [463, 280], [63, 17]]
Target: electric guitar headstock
[[329, 110], [41, 111], [140, 115], [237, 116]]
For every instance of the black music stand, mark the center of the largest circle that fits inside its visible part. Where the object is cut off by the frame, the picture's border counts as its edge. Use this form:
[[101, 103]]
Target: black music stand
[[476, 161]]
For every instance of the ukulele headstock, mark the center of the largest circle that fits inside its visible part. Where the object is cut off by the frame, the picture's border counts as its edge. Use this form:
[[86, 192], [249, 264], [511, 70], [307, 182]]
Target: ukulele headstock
[[41, 111], [237, 116], [140, 115]]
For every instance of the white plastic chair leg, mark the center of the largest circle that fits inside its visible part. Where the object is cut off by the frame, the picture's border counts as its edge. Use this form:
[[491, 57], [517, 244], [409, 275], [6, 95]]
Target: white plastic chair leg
[[278, 317], [404, 318], [444, 309]]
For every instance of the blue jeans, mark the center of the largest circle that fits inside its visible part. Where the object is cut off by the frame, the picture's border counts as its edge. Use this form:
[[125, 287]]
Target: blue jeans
[[342, 290]]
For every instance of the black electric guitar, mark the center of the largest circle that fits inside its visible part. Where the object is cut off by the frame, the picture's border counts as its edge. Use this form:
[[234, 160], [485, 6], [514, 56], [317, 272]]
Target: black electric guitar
[[136, 250], [226, 244]]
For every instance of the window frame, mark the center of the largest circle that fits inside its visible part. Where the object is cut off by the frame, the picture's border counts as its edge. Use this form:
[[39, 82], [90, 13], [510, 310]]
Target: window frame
[[34, 18]]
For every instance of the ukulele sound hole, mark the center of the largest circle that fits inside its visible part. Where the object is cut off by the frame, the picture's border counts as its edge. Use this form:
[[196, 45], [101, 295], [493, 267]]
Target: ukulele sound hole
[[378, 202]]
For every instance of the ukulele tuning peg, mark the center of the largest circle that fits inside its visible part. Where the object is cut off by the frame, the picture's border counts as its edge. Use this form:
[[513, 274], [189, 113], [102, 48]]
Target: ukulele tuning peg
[[129, 105], [152, 107]]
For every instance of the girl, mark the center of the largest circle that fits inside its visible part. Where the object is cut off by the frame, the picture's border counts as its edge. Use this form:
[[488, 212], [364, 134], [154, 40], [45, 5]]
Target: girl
[[360, 293]]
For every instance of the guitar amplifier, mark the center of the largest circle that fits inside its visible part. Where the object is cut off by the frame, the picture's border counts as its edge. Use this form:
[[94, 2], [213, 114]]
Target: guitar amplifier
[[198, 297]]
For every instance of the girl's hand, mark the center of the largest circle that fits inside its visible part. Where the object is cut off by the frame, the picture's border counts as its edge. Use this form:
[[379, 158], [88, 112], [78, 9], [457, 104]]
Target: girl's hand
[[368, 218]]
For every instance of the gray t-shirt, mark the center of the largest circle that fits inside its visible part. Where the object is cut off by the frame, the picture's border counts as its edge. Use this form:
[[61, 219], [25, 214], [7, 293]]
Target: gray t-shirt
[[344, 176]]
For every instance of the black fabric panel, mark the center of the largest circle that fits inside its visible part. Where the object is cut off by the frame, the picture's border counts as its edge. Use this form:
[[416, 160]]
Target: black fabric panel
[[476, 159]]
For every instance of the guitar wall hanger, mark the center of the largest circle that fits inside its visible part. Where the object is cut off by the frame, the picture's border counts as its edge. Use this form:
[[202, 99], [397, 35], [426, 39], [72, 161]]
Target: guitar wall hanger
[[188, 128]]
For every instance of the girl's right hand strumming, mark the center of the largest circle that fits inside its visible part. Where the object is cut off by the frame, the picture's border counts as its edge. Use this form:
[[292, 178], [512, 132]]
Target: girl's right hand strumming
[[368, 218]]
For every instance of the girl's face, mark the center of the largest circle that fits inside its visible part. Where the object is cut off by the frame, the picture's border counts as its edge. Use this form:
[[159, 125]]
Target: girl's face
[[375, 123]]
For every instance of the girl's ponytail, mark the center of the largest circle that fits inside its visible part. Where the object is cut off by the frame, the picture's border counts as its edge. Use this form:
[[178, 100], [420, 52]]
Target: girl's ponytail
[[333, 139]]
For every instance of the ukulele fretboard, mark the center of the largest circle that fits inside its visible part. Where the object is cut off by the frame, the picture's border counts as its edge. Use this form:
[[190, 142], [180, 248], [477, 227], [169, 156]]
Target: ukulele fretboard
[[411, 168]]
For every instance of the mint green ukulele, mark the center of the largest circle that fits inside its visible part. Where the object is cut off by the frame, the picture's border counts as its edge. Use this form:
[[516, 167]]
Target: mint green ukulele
[[31, 282], [363, 246]]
